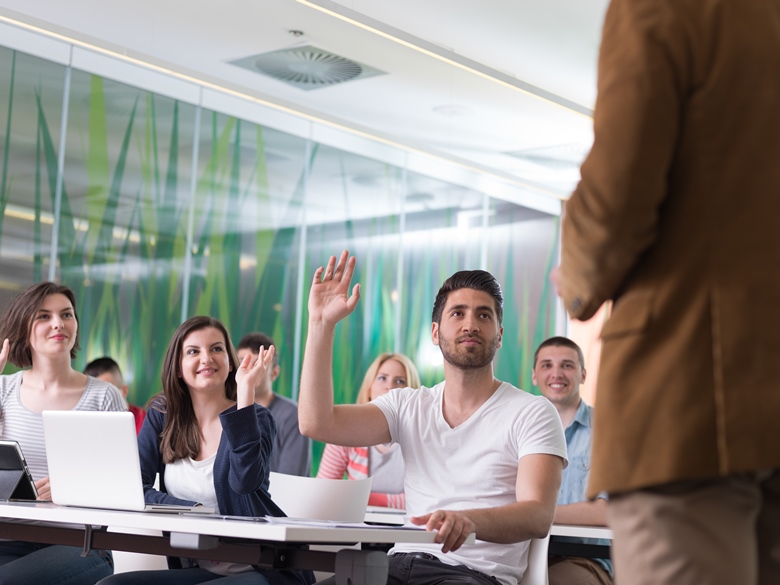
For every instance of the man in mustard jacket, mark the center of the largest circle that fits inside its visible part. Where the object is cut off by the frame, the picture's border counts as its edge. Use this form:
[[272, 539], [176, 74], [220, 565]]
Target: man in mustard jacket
[[677, 220]]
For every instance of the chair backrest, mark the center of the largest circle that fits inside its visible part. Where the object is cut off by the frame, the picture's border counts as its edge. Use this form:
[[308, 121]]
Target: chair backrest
[[321, 499], [536, 572]]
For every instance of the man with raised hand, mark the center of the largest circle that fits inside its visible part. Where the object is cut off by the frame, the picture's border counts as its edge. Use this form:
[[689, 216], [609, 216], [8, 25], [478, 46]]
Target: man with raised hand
[[481, 455]]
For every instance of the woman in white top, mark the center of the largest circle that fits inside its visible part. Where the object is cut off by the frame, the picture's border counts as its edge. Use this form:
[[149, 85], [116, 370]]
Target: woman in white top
[[40, 332], [211, 445]]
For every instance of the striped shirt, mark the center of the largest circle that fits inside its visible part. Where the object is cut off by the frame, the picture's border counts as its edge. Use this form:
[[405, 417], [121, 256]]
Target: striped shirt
[[387, 469], [18, 423]]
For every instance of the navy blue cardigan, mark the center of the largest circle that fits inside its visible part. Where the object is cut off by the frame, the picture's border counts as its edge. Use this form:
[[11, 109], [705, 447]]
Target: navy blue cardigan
[[240, 470]]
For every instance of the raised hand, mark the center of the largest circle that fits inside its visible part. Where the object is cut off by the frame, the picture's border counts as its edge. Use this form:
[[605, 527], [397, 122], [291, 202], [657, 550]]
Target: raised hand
[[4, 354], [249, 375], [330, 299]]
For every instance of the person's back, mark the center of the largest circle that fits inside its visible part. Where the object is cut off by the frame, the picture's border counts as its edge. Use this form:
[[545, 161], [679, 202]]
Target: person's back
[[696, 147], [676, 219]]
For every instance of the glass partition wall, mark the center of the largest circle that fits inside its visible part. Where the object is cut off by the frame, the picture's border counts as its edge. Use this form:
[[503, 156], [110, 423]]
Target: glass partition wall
[[155, 208]]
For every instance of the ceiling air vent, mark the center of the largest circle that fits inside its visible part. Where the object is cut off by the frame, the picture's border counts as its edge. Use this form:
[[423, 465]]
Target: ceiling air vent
[[307, 67]]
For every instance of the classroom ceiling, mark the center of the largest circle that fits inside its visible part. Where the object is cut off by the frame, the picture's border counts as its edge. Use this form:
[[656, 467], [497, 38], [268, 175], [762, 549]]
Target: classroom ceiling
[[409, 97]]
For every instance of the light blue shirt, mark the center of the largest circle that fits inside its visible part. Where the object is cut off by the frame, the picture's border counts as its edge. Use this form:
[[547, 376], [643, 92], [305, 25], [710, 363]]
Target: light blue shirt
[[579, 435]]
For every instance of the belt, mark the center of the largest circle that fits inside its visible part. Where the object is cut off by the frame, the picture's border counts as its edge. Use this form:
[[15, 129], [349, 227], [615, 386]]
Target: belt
[[417, 555]]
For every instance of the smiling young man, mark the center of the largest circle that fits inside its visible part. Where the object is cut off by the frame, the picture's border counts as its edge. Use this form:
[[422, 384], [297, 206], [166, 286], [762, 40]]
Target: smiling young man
[[559, 370], [481, 456]]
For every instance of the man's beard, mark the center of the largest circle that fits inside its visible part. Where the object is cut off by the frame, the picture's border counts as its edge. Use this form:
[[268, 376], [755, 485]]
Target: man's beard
[[469, 357]]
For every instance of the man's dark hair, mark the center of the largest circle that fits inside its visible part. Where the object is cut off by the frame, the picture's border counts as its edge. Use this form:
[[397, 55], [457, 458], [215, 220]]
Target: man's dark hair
[[100, 366], [561, 342], [254, 341], [474, 279]]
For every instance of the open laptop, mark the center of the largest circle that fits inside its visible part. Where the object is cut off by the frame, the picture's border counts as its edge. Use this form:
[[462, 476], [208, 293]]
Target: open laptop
[[93, 462]]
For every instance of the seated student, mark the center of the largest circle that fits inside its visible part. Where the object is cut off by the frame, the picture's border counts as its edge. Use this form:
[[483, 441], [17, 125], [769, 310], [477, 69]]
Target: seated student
[[481, 455], [559, 369], [40, 330], [211, 445], [292, 451], [106, 369], [385, 464]]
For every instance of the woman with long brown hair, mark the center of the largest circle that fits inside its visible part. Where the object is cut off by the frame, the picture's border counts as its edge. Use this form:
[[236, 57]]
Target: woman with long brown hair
[[211, 445]]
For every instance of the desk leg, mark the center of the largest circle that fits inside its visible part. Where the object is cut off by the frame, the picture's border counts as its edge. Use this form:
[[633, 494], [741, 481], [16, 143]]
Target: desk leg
[[88, 534], [361, 567]]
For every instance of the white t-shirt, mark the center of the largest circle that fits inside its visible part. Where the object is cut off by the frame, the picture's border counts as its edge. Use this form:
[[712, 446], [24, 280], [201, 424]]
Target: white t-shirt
[[471, 466], [192, 480]]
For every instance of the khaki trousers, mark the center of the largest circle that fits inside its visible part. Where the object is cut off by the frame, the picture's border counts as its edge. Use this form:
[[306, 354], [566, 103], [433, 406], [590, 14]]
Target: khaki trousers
[[717, 532]]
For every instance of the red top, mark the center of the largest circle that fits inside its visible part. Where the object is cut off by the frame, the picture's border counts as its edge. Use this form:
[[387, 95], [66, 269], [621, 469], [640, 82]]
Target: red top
[[139, 414]]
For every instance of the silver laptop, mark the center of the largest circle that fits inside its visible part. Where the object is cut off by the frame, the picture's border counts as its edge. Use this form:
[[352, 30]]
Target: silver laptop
[[93, 462]]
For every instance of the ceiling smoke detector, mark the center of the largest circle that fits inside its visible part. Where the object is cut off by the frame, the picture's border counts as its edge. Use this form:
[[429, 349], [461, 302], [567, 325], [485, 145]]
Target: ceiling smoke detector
[[307, 67]]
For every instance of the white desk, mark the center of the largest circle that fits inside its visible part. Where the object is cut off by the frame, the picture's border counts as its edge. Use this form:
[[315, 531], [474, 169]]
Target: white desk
[[265, 544], [581, 531], [580, 549], [392, 516]]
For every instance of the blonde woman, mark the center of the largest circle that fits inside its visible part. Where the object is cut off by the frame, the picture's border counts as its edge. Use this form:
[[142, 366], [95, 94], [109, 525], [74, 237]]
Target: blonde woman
[[384, 464]]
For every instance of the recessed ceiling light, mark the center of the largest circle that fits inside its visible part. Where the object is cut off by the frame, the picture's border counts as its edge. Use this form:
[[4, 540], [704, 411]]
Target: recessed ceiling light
[[453, 110]]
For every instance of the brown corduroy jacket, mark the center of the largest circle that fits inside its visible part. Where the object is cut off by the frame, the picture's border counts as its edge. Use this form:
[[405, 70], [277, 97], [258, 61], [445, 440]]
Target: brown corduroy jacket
[[677, 219]]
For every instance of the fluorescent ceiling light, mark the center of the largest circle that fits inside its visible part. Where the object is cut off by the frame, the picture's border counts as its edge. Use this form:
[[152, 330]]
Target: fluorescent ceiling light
[[450, 57]]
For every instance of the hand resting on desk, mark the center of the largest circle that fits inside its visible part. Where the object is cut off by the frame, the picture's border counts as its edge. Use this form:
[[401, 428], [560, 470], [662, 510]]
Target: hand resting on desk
[[453, 527]]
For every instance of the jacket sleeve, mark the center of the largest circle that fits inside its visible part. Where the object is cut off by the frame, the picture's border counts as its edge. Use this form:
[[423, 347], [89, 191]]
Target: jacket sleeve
[[250, 435], [613, 215]]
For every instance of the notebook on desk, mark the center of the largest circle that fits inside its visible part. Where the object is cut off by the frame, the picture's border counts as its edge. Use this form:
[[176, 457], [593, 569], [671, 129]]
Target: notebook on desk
[[93, 462]]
